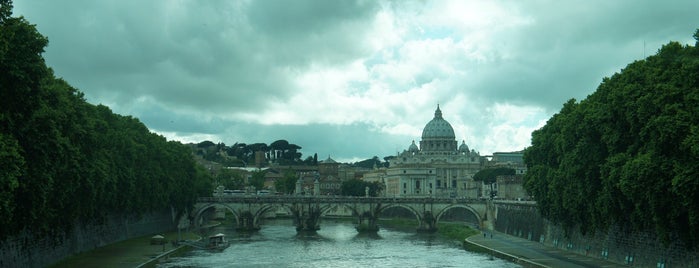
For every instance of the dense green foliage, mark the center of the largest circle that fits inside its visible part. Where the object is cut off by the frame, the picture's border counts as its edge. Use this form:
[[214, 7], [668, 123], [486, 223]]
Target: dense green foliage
[[241, 154], [455, 231], [356, 187], [287, 183], [628, 154], [489, 175], [230, 179], [371, 163], [65, 161]]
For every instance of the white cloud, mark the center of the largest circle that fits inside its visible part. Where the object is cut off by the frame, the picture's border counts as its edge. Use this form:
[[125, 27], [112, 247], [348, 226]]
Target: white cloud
[[348, 78]]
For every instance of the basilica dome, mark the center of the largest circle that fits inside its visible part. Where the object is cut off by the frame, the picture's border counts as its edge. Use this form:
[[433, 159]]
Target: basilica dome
[[438, 136], [413, 148], [438, 128]]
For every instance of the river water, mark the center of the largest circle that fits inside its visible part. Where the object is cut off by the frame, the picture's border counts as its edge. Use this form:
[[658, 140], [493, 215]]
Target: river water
[[337, 244]]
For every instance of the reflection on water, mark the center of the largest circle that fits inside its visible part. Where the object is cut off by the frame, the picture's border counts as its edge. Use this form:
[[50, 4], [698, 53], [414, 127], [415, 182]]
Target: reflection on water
[[337, 244]]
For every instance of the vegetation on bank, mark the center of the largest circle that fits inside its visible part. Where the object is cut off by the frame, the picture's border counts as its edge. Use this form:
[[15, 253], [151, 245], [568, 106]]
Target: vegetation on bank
[[128, 253], [450, 230], [65, 161], [626, 155]]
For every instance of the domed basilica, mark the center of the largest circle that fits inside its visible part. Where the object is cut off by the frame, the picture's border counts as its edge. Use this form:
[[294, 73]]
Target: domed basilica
[[436, 168]]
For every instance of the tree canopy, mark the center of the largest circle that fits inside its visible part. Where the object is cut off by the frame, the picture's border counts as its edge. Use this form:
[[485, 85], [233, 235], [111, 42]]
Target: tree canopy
[[357, 187], [489, 175], [287, 183], [65, 161], [628, 154], [242, 154]]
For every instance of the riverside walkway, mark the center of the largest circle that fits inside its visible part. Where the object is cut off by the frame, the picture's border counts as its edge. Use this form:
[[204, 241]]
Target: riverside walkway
[[532, 254]]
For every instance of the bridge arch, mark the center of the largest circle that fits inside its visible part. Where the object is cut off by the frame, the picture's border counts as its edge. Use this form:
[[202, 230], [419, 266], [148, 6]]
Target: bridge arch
[[306, 211], [473, 211], [325, 208], [198, 213], [266, 208], [416, 213]]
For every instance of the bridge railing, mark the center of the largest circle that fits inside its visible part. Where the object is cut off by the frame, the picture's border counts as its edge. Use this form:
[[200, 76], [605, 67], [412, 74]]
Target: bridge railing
[[332, 199]]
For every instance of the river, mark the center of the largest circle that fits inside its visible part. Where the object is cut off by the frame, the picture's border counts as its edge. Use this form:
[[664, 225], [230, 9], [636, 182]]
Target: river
[[337, 244]]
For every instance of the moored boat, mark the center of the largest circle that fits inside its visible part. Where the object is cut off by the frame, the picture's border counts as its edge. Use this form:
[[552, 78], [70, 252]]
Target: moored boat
[[216, 242]]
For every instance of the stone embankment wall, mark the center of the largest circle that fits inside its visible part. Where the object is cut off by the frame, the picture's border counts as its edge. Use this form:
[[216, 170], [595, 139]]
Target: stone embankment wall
[[639, 249], [27, 250]]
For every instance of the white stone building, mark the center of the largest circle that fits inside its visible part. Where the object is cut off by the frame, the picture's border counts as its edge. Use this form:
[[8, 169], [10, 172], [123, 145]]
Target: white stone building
[[437, 168]]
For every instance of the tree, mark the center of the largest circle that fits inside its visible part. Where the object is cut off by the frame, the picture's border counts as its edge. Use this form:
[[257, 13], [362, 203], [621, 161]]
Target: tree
[[65, 161], [357, 187], [627, 154], [257, 179], [5, 10], [287, 183], [10, 172], [230, 179], [489, 175]]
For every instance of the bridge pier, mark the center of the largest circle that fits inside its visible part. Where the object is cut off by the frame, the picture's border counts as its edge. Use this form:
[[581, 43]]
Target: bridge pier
[[307, 219], [247, 223], [428, 223], [367, 223]]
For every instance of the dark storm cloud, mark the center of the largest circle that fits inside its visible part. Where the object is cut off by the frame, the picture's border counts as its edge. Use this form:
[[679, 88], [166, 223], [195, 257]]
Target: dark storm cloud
[[348, 78], [202, 56], [568, 48]]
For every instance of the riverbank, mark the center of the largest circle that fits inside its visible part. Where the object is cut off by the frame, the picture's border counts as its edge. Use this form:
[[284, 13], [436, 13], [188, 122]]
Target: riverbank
[[529, 253], [451, 230], [128, 253], [139, 251]]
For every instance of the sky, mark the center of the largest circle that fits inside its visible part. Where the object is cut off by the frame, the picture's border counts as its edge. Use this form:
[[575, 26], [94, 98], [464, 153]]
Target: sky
[[348, 79]]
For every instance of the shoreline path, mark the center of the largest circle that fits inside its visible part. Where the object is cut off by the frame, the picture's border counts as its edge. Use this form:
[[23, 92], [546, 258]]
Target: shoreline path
[[533, 254], [128, 253]]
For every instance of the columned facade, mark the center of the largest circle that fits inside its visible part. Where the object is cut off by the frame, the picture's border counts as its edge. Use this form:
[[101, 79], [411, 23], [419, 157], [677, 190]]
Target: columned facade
[[437, 168]]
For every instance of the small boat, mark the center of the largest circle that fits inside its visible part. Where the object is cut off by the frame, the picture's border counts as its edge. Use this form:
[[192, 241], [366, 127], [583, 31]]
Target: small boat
[[216, 242]]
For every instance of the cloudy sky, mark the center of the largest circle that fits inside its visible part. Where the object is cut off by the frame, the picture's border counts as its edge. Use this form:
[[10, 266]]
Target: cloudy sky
[[348, 79]]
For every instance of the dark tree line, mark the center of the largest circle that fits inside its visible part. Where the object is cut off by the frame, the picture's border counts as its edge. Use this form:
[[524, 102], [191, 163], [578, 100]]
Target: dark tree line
[[242, 154], [489, 175], [628, 154], [357, 187], [373, 162], [65, 161]]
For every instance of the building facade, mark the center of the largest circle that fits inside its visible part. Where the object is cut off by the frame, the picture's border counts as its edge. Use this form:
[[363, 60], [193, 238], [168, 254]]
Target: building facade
[[439, 167]]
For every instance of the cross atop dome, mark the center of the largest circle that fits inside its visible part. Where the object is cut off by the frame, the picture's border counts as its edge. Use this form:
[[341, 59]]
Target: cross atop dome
[[438, 112]]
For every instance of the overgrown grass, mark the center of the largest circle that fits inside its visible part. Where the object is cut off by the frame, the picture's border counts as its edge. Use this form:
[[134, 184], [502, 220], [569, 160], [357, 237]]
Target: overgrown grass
[[456, 231], [450, 230]]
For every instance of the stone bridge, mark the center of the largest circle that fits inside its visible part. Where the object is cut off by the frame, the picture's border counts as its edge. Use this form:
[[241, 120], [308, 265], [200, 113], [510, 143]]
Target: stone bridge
[[306, 211]]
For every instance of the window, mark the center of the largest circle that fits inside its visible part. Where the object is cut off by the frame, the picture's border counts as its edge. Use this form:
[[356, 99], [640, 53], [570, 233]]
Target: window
[[417, 184], [453, 184], [439, 183]]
